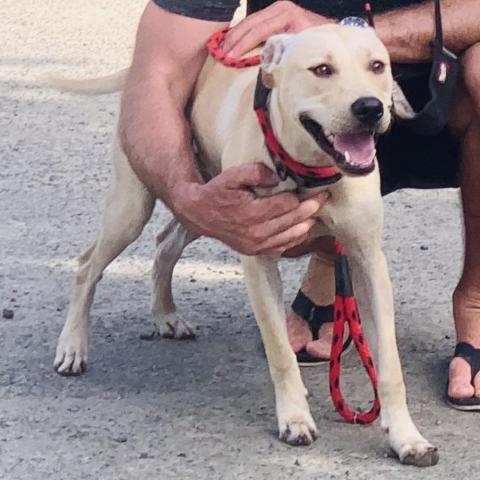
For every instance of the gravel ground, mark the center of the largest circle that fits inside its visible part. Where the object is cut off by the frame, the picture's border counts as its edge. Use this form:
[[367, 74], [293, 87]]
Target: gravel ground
[[163, 409]]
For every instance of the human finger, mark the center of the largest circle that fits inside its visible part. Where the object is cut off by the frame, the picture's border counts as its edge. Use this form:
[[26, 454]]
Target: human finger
[[286, 239], [303, 212], [274, 207], [249, 38], [251, 175], [251, 22]]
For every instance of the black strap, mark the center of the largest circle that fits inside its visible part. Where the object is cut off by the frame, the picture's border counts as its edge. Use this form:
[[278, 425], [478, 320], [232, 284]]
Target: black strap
[[438, 25], [470, 354], [343, 281], [260, 99], [444, 72], [314, 315]]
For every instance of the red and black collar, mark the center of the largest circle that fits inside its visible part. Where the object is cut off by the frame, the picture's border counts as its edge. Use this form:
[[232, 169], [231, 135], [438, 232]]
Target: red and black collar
[[286, 166]]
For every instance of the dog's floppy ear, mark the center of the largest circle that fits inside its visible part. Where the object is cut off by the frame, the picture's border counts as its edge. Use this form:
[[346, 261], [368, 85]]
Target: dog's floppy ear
[[401, 107], [272, 54]]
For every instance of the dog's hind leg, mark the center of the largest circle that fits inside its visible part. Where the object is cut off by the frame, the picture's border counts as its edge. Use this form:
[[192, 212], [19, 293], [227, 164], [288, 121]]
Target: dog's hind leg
[[374, 293], [170, 245], [127, 209], [295, 422]]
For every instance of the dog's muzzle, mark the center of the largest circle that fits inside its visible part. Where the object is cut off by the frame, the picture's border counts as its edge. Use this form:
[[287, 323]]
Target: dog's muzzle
[[353, 153]]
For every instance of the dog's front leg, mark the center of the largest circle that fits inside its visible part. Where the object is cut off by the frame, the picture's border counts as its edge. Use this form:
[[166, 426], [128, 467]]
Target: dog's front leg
[[295, 422], [373, 290]]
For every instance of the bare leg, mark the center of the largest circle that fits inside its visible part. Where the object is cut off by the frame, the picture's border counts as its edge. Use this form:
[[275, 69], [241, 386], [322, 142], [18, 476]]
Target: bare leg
[[295, 422], [170, 245], [319, 286], [466, 299], [128, 207]]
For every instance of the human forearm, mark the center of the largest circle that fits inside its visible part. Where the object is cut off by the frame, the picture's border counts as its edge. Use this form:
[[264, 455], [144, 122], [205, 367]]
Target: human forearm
[[169, 53], [407, 32], [155, 135]]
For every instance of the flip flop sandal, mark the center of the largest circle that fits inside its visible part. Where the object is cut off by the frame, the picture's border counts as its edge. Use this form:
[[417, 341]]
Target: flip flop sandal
[[315, 316], [472, 356]]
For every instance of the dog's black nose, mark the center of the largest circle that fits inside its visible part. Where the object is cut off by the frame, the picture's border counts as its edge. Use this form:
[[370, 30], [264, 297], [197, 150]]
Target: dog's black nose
[[369, 110]]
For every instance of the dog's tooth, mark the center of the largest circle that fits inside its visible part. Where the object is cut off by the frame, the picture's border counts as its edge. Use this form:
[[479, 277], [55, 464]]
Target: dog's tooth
[[347, 156]]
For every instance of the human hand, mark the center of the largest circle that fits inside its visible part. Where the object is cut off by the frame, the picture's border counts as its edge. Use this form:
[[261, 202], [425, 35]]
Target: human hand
[[280, 17], [226, 208]]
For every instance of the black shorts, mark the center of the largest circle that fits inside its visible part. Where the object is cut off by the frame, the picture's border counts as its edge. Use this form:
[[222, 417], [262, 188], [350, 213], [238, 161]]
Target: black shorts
[[213, 10], [406, 159], [410, 160]]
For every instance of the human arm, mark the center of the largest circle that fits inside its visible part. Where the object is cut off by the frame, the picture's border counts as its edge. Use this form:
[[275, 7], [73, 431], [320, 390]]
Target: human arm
[[407, 32], [169, 53]]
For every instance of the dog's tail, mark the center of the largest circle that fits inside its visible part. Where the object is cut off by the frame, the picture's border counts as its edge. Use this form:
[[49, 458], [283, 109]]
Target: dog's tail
[[89, 86]]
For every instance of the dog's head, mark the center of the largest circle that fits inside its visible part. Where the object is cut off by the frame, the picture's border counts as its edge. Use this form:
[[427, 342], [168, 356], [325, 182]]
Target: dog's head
[[334, 83]]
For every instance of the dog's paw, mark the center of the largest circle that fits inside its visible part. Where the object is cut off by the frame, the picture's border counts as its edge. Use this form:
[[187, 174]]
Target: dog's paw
[[298, 430], [71, 355], [172, 326], [419, 453]]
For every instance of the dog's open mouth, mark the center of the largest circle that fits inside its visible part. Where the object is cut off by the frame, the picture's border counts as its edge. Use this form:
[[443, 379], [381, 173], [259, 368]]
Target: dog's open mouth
[[354, 153]]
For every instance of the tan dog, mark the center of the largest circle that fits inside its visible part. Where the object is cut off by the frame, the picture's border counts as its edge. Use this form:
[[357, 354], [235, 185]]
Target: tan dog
[[337, 79]]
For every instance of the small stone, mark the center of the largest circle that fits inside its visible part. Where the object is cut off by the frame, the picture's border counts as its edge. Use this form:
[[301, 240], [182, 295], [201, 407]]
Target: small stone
[[423, 247], [149, 336], [7, 314], [181, 454], [121, 439], [438, 422], [359, 456], [296, 463]]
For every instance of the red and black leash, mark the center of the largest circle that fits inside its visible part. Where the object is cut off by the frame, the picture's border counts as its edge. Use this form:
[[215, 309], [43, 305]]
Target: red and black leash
[[345, 307], [345, 311]]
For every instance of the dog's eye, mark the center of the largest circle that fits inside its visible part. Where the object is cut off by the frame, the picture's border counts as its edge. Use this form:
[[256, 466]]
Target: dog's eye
[[322, 70], [377, 66]]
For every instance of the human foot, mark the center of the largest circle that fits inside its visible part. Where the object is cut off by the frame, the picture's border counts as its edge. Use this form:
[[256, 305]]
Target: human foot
[[321, 348], [299, 332], [464, 379], [310, 330]]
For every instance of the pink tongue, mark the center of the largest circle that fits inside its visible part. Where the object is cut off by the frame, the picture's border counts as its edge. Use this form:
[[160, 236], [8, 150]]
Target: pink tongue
[[361, 147]]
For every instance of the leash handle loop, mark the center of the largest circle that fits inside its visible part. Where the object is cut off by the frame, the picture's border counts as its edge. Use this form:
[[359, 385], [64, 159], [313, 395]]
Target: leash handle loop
[[346, 311]]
